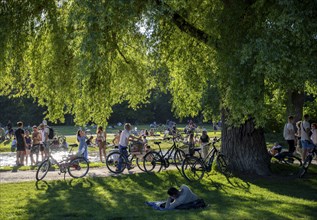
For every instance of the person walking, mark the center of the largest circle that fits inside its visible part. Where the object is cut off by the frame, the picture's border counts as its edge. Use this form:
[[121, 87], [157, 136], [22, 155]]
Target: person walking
[[289, 134], [19, 134], [123, 144]]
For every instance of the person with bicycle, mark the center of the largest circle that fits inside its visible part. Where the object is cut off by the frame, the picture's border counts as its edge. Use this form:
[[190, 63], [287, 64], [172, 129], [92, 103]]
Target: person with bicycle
[[125, 137], [36, 140]]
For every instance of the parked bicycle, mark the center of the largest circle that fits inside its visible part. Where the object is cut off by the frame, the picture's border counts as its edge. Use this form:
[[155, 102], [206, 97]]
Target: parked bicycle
[[194, 168], [154, 161], [307, 162], [77, 167], [112, 160], [288, 163]]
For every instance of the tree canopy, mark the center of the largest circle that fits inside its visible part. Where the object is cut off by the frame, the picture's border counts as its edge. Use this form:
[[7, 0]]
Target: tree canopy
[[83, 57]]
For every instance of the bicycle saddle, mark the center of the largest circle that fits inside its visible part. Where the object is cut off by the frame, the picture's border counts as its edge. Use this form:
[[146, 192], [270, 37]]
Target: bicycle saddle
[[197, 149], [157, 142], [73, 145]]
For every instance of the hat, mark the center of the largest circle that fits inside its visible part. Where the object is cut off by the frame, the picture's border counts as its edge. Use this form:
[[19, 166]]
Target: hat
[[44, 122], [34, 126], [204, 129]]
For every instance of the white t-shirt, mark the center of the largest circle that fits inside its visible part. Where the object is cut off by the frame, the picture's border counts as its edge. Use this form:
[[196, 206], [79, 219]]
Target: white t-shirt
[[124, 138], [303, 133], [290, 132]]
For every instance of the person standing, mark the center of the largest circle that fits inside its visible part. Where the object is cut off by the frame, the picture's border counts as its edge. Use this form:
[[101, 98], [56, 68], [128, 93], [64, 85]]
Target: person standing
[[204, 143], [36, 141], [305, 140], [289, 134], [82, 149], [19, 134], [313, 137], [28, 142], [44, 142], [101, 141]]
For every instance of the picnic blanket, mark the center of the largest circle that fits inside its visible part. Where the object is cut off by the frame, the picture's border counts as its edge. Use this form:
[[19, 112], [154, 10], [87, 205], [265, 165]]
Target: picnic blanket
[[157, 205], [160, 205]]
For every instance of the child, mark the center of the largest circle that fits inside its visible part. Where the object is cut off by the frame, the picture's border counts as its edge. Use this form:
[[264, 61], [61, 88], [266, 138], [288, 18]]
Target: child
[[28, 142], [14, 144], [147, 148]]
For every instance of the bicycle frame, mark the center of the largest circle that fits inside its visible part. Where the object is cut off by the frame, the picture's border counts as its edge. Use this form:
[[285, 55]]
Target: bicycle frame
[[169, 152], [210, 156]]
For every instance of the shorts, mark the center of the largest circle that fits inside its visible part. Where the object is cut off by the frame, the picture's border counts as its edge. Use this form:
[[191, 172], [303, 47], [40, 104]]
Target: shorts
[[306, 144], [42, 147], [20, 148], [35, 148]]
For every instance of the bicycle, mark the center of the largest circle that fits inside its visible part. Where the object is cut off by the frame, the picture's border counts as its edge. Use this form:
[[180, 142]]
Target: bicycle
[[112, 160], [307, 162], [292, 163], [77, 167], [194, 168], [154, 161]]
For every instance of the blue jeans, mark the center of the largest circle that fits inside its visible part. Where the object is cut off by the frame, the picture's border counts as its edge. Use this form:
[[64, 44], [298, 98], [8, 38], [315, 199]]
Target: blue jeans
[[123, 151]]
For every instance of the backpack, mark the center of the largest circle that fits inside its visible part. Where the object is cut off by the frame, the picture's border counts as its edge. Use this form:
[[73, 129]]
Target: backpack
[[50, 133], [197, 204]]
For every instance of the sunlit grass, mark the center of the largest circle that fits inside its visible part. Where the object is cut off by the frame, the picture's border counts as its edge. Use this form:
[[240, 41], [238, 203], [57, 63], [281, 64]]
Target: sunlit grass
[[123, 197]]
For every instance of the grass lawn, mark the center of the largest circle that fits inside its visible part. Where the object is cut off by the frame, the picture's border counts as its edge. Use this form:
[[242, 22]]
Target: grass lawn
[[123, 197]]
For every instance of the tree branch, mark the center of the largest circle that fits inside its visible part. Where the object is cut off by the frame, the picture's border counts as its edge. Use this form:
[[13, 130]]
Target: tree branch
[[188, 28]]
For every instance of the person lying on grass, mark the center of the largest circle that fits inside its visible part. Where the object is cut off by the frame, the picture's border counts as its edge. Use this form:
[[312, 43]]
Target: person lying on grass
[[179, 197]]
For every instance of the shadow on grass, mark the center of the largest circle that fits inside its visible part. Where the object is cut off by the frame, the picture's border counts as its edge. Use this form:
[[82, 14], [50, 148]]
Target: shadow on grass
[[123, 197]]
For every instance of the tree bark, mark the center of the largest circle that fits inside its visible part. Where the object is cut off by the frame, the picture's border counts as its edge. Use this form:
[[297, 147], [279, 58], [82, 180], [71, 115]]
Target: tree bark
[[295, 105], [245, 149]]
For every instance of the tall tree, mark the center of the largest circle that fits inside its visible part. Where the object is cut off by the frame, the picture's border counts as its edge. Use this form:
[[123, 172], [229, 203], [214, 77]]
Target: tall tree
[[83, 57]]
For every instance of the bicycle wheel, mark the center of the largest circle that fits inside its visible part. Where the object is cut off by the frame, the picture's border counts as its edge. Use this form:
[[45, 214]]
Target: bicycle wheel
[[139, 163], [112, 162], [292, 161], [193, 169], [222, 164], [152, 162], [304, 168], [42, 170], [179, 156], [78, 167]]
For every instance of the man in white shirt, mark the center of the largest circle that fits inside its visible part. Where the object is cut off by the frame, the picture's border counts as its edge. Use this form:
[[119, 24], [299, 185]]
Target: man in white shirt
[[123, 144], [289, 134], [305, 129]]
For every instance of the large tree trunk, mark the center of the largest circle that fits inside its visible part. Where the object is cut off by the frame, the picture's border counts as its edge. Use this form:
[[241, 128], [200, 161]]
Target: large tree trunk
[[295, 105], [245, 149]]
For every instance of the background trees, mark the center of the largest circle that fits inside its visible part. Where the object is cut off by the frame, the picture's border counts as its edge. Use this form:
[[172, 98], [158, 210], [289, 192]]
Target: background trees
[[252, 58]]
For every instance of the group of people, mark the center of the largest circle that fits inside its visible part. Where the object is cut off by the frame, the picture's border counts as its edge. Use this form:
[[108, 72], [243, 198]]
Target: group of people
[[29, 145], [304, 136]]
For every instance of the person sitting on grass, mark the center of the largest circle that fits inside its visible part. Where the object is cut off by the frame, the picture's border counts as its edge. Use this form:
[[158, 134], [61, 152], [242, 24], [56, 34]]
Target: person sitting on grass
[[179, 197], [275, 150]]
